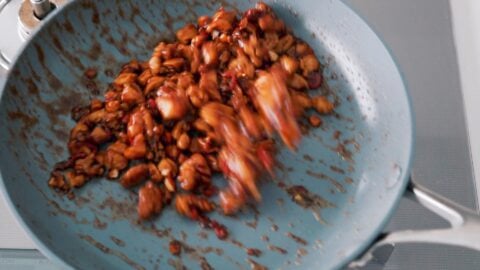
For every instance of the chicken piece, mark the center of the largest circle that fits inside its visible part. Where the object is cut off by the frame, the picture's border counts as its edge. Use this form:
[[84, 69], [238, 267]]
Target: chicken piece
[[150, 201], [209, 84], [172, 104], [265, 151], [137, 149], [252, 47], [192, 206], [132, 94], [232, 199], [115, 161], [242, 65], [251, 121], [275, 103], [194, 170], [240, 169], [213, 112]]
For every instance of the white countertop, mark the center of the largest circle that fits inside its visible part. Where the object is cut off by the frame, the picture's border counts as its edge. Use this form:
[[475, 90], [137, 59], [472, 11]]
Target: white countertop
[[466, 26]]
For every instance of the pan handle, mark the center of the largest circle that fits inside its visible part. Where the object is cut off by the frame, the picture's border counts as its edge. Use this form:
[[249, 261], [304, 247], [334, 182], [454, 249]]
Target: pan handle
[[463, 230], [4, 63]]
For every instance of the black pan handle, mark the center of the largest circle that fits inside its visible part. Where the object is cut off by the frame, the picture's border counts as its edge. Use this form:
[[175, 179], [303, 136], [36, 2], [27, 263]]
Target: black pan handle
[[464, 227]]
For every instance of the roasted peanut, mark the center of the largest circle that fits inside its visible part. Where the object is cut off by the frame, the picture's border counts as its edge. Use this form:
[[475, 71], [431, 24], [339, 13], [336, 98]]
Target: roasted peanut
[[322, 105], [183, 142], [170, 184], [289, 64], [153, 83], [174, 63], [112, 106], [201, 126], [144, 77], [167, 168], [269, 23], [193, 170], [172, 151], [135, 175], [297, 82], [302, 48], [284, 43], [179, 129], [155, 64], [301, 102], [184, 80], [100, 135], [154, 172], [309, 64], [125, 78], [314, 120], [190, 205]]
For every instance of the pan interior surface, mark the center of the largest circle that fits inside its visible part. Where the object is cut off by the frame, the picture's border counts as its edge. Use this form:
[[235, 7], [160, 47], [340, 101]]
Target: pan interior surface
[[355, 166]]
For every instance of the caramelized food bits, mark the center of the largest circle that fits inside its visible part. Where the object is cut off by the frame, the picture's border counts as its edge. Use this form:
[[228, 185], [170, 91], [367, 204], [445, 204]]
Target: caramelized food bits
[[207, 103], [150, 200], [192, 206]]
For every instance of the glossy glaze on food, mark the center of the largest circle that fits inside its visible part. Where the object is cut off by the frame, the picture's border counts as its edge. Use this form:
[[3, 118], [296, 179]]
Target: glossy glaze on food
[[210, 102]]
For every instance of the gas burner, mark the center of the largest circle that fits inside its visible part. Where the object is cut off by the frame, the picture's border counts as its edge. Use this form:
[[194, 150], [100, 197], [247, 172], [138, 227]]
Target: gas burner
[[28, 14]]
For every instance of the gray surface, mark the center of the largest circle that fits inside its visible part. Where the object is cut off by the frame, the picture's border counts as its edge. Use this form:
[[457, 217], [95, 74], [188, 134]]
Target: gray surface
[[419, 34]]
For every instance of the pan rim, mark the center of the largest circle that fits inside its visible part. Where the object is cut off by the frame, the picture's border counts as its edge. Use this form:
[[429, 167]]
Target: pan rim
[[411, 150], [354, 253]]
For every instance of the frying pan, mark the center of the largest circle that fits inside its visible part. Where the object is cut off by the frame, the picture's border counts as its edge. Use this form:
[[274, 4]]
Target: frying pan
[[355, 168]]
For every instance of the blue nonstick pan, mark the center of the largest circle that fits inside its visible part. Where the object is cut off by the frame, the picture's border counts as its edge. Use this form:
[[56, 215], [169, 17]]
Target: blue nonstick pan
[[355, 168]]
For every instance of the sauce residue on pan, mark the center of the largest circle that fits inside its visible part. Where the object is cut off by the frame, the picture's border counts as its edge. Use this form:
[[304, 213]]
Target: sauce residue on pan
[[113, 252]]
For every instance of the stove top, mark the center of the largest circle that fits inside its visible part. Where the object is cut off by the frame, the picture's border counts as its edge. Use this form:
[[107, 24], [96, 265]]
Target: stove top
[[419, 34]]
